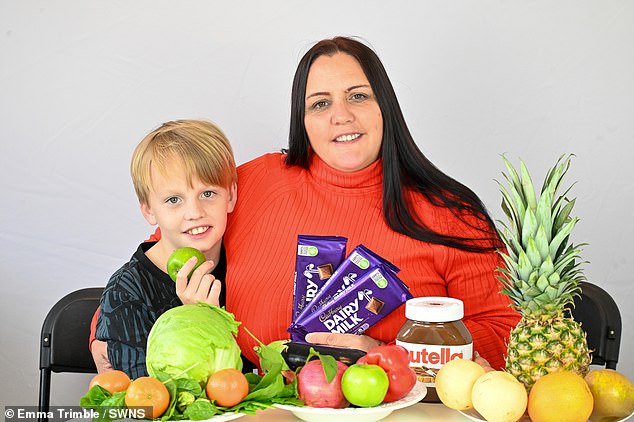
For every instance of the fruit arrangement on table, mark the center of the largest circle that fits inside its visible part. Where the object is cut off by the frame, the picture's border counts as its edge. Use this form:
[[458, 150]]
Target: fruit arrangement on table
[[199, 381], [546, 379], [546, 376]]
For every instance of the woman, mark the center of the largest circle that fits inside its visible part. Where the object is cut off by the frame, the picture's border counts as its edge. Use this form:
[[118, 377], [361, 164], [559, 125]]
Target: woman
[[354, 170]]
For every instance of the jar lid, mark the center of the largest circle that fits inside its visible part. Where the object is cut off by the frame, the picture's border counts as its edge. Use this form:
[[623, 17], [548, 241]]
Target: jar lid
[[434, 309]]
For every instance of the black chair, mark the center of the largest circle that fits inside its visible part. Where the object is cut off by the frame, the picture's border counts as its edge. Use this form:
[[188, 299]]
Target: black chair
[[600, 318], [64, 340]]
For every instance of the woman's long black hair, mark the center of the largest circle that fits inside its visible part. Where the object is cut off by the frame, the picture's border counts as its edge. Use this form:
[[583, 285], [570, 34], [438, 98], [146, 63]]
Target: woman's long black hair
[[404, 165]]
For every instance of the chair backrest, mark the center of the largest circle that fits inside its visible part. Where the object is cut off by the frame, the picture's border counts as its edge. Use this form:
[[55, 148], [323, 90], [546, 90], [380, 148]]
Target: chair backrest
[[64, 339], [600, 318]]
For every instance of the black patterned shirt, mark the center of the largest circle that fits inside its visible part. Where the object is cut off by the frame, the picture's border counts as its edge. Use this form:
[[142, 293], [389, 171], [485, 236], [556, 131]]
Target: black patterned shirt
[[136, 295]]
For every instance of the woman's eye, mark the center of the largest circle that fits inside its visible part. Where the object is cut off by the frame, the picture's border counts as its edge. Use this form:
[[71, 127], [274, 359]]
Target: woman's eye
[[319, 105], [359, 96]]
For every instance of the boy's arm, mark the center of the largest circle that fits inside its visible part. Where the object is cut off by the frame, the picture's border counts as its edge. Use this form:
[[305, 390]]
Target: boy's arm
[[124, 322], [98, 348]]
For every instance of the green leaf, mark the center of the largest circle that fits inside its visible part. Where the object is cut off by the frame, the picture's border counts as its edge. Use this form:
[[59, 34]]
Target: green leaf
[[561, 236], [547, 267], [329, 363], [524, 266], [201, 409], [270, 355], [543, 214], [533, 253], [527, 187], [541, 241], [562, 216], [529, 227], [94, 397], [271, 385], [513, 177]]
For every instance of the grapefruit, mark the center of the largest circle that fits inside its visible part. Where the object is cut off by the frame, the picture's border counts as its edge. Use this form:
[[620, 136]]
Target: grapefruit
[[560, 396], [613, 395]]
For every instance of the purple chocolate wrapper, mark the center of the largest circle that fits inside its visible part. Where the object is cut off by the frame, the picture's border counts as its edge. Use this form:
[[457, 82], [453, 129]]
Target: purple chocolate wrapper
[[357, 265], [370, 299], [317, 258]]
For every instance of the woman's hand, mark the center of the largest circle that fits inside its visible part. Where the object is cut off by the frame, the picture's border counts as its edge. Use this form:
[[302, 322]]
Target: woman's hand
[[350, 341], [482, 362], [201, 287], [99, 350]]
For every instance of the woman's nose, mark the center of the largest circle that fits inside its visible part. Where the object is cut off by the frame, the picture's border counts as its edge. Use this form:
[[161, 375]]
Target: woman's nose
[[341, 113]]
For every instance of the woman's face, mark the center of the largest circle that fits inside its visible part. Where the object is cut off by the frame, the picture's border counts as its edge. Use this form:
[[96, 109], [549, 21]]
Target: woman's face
[[343, 119]]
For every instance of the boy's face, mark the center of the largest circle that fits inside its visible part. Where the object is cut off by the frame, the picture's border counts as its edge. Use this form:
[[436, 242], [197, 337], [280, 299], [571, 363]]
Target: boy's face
[[194, 216]]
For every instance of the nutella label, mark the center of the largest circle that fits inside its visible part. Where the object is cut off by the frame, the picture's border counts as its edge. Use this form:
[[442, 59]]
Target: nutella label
[[434, 356], [427, 359]]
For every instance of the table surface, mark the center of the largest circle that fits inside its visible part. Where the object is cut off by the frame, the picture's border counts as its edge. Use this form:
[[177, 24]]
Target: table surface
[[420, 412]]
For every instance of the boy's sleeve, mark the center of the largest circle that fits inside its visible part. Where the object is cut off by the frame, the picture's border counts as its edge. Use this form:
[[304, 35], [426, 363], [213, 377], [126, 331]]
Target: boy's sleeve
[[124, 322]]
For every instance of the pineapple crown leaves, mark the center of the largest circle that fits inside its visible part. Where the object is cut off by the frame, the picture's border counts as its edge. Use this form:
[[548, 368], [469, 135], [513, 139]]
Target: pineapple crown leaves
[[542, 270]]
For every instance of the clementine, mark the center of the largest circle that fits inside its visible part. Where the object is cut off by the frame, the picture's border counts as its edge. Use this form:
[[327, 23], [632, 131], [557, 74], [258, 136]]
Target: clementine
[[227, 387], [149, 393], [112, 381], [560, 397]]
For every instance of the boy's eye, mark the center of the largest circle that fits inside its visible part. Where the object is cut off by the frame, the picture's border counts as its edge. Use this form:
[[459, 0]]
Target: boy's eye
[[172, 200], [208, 194]]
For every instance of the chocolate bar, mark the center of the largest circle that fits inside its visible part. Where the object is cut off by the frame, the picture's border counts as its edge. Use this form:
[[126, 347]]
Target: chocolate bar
[[357, 308], [316, 257], [358, 264]]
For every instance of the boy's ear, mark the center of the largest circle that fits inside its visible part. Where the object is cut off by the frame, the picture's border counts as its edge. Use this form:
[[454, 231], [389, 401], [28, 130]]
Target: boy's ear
[[233, 197], [148, 214]]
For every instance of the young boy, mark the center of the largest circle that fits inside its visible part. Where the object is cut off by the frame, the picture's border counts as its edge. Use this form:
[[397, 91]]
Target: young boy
[[184, 175]]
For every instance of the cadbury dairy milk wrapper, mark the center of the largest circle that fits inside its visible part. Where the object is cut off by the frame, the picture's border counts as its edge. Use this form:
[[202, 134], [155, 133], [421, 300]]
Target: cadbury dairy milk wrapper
[[358, 264], [373, 296], [316, 260]]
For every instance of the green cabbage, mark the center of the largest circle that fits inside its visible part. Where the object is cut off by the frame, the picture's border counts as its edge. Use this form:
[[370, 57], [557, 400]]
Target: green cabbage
[[193, 341]]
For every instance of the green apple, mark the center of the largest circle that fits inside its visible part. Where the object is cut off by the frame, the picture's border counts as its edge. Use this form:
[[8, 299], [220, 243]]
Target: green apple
[[179, 257], [364, 385]]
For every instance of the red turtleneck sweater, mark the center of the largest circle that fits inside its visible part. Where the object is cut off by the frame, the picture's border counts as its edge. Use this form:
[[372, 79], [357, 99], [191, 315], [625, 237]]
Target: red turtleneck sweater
[[276, 203]]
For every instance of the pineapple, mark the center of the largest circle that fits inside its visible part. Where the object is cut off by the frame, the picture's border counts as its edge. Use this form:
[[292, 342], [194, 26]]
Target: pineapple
[[541, 276]]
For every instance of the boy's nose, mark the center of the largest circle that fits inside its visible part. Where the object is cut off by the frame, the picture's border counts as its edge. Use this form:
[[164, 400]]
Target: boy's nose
[[194, 211]]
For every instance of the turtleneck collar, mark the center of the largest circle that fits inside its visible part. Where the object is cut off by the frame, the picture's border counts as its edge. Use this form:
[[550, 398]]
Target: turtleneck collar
[[370, 178]]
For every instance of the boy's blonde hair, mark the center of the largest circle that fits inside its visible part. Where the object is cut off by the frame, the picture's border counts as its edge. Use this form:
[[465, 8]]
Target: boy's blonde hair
[[200, 146]]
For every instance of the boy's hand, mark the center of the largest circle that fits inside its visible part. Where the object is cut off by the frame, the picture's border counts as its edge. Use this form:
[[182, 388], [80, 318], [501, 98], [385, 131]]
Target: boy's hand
[[202, 286], [99, 350]]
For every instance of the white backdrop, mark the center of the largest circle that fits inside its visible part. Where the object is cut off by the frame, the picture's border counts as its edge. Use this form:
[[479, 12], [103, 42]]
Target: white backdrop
[[81, 82]]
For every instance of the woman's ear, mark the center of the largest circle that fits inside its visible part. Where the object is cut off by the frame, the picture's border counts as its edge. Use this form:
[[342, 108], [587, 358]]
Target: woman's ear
[[233, 197], [148, 214]]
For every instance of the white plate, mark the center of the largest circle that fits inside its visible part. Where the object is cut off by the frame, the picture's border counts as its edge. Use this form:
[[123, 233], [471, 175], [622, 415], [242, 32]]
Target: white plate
[[361, 414], [475, 416], [224, 417], [218, 418]]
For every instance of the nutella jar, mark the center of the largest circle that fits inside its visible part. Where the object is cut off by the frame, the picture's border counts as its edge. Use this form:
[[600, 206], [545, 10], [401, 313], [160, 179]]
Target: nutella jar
[[433, 335]]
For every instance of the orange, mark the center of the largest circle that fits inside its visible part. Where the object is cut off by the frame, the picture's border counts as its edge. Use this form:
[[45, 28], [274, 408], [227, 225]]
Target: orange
[[227, 387], [149, 393], [560, 397], [112, 381]]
